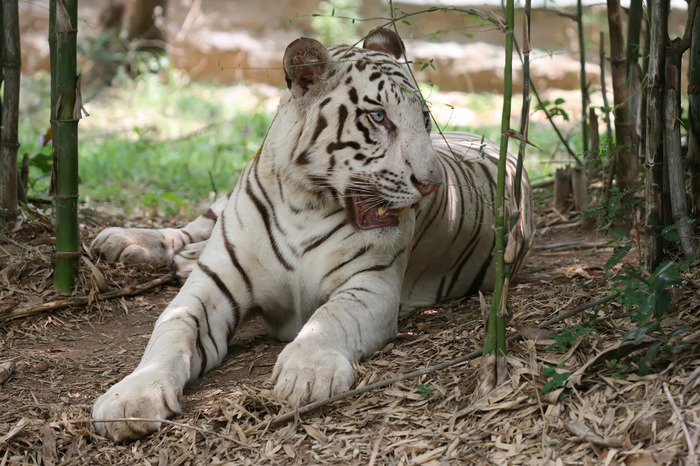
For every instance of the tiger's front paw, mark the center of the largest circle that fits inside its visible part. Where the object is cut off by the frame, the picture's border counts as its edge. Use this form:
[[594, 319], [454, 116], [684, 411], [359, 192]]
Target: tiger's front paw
[[307, 373], [138, 245], [137, 396]]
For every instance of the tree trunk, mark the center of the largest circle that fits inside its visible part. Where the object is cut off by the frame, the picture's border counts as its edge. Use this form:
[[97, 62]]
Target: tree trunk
[[654, 153], [11, 62], [626, 139], [67, 108]]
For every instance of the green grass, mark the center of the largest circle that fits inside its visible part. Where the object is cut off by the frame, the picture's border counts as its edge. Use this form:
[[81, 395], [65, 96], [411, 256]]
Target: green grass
[[153, 144], [159, 144]]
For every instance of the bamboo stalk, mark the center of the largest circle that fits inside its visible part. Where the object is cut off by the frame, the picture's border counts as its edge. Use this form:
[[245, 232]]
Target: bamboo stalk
[[632, 69], [654, 153], [595, 135], [9, 144], [604, 91], [672, 135], [634, 32], [626, 163], [66, 117], [493, 363], [582, 77], [525, 110], [693, 158]]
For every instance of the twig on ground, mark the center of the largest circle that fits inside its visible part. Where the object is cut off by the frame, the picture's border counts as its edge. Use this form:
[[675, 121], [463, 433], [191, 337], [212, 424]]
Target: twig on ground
[[576, 244], [169, 422], [132, 290], [692, 457], [14, 243], [411, 375]]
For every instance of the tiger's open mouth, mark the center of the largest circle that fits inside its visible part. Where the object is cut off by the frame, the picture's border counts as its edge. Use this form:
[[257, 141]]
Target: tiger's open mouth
[[368, 215]]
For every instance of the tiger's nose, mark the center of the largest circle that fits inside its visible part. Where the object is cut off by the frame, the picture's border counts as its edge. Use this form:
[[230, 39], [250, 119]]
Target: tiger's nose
[[425, 187]]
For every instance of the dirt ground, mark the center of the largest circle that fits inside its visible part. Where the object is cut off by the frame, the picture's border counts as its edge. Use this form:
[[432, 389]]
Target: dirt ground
[[61, 360]]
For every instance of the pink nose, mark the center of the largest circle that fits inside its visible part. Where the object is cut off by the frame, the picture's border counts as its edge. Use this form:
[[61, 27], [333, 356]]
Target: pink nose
[[426, 187]]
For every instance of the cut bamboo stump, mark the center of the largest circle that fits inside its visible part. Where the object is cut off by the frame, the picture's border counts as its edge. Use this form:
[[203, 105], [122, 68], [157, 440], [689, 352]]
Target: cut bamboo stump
[[579, 186], [562, 188]]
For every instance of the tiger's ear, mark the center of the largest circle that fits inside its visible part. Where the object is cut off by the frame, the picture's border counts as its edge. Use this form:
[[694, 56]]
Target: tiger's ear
[[386, 41], [305, 62]]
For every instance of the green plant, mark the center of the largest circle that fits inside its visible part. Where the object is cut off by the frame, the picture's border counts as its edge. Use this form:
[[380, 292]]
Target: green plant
[[620, 251], [554, 108], [425, 390], [556, 378], [606, 210], [569, 335], [648, 299], [621, 368]]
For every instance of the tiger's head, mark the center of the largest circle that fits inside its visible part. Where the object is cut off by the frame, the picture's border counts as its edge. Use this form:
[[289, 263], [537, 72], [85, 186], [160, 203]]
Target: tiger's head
[[357, 128]]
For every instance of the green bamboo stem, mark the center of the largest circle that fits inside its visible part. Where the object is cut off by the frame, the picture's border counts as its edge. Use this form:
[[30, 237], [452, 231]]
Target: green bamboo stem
[[66, 146], [495, 329]]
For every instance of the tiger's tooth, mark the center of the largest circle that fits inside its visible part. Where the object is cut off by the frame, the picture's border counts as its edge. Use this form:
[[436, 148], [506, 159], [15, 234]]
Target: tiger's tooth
[[381, 211], [403, 211]]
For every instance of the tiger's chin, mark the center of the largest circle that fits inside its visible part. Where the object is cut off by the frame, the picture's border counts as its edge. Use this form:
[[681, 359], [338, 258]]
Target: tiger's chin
[[369, 216]]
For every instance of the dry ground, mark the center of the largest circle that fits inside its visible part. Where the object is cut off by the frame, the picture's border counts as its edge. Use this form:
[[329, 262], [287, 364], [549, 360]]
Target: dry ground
[[65, 358]]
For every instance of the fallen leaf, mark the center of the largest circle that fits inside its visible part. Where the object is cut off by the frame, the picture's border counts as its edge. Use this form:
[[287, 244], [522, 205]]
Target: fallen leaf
[[584, 432], [6, 370]]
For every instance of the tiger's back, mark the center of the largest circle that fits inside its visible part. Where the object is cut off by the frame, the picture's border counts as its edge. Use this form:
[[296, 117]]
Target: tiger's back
[[453, 247]]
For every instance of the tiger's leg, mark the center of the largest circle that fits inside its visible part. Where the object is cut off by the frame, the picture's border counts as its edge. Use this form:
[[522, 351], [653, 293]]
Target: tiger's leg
[[143, 245], [356, 321], [189, 338]]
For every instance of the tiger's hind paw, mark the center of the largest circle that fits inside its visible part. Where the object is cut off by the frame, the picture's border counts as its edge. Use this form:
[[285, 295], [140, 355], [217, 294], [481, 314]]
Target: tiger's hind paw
[[138, 245]]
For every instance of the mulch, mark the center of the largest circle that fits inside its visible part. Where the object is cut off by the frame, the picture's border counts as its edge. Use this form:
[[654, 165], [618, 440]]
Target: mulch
[[57, 362]]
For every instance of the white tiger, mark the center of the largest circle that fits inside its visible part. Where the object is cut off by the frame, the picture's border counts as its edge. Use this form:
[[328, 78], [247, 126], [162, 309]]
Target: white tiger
[[349, 214]]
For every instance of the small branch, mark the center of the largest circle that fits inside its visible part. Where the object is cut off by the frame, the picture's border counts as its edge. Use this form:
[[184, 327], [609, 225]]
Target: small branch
[[685, 40], [692, 457], [165, 421], [575, 244], [13, 242], [411, 375], [132, 290]]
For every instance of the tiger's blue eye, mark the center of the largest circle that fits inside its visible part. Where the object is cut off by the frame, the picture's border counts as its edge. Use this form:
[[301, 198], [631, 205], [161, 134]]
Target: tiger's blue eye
[[377, 116]]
